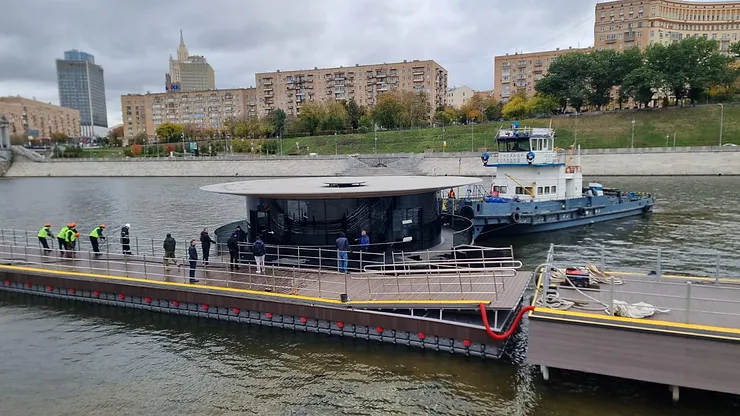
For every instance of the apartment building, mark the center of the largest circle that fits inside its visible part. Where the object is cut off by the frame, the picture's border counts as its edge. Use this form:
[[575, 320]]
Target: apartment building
[[457, 96], [38, 119], [363, 83], [520, 71], [209, 109], [623, 24]]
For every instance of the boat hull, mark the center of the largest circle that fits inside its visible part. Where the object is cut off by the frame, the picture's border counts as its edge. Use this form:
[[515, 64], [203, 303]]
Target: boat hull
[[513, 218]]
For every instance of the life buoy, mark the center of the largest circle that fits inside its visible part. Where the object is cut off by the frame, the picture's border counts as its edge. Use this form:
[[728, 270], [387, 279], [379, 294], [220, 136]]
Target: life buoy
[[467, 212], [530, 157], [568, 169], [516, 216]]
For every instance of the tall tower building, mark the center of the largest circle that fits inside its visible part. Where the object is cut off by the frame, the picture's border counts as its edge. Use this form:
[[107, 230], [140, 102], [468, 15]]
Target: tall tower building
[[82, 87], [189, 73]]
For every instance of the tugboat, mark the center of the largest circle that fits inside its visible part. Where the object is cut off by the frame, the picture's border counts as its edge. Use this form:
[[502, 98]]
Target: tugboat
[[538, 187]]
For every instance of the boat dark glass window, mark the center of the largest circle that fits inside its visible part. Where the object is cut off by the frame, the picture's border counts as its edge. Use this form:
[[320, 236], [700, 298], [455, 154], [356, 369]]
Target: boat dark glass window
[[547, 189], [554, 190], [539, 190]]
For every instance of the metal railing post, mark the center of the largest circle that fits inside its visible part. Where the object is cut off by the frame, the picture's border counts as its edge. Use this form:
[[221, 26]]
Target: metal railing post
[[26, 233], [107, 262], [145, 275], [137, 245], [716, 270], [13, 236], [298, 254], [152, 247], [320, 260], [611, 296], [319, 279], [688, 302], [459, 277], [658, 271], [603, 257], [360, 259], [125, 265]]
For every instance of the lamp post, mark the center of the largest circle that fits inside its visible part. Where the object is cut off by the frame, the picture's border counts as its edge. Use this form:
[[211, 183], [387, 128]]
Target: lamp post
[[471, 137], [633, 133], [721, 121]]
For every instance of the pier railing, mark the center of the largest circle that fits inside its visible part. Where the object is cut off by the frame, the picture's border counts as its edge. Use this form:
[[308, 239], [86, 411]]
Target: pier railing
[[684, 286], [466, 273]]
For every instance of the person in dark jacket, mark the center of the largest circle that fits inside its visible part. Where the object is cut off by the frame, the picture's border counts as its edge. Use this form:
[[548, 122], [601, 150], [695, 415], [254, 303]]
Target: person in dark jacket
[[241, 237], [205, 243], [259, 251], [169, 245], [125, 239], [233, 245], [193, 258], [342, 252]]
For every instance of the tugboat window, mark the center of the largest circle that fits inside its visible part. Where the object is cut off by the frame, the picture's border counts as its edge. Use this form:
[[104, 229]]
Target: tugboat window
[[539, 190], [553, 190], [547, 189]]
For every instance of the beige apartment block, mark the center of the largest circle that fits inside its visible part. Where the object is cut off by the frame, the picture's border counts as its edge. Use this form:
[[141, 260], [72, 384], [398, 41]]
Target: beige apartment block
[[520, 71], [457, 96], [209, 109], [623, 24], [363, 83], [27, 116]]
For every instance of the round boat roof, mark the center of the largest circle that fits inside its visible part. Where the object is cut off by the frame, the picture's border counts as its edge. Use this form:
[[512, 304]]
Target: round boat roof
[[337, 187]]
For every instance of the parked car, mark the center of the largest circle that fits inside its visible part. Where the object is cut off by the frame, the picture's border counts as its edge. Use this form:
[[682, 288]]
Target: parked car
[[730, 144]]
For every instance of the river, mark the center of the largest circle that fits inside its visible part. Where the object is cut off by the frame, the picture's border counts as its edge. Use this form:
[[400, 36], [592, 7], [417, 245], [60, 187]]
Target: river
[[63, 358]]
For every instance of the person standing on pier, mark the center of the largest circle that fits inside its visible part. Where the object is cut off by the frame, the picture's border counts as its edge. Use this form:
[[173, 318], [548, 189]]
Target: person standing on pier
[[258, 249], [364, 241], [169, 245], [342, 252], [193, 258], [62, 239], [233, 245], [125, 239], [71, 239], [205, 243], [95, 235], [241, 237], [43, 235]]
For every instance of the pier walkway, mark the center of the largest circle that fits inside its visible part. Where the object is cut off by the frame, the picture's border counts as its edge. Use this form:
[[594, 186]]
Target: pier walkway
[[669, 317], [424, 280]]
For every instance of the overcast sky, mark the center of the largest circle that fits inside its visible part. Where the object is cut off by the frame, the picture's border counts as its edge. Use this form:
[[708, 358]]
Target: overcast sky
[[133, 39]]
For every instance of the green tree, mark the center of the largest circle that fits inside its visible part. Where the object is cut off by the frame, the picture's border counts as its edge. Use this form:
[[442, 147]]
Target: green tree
[[277, 119], [493, 111], [639, 85], [59, 137], [516, 108], [419, 108], [444, 115], [567, 80], [542, 104], [365, 123], [335, 117], [169, 132], [354, 112], [311, 117], [387, 110]]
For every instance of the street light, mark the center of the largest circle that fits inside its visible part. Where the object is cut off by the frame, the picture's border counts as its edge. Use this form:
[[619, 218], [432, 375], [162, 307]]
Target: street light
[[633, 133], [721, 121]]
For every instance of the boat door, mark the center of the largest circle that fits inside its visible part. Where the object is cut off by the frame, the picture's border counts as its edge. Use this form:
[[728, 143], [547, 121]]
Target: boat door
[[259, 222]]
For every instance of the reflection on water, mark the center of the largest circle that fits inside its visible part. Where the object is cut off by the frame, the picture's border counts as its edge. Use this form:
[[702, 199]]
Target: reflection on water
[[69, 359]]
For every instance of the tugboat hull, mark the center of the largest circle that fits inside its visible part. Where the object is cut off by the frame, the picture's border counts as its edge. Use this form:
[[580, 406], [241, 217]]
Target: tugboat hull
[[513, 218]]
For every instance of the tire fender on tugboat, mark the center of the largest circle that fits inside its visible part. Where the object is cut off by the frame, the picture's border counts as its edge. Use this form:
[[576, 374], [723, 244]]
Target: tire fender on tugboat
[[581, 211], [516, 216]]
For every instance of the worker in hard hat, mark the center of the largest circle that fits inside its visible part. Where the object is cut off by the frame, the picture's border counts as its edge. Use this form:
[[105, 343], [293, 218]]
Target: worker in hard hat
[[95, 236], [62, 239], [44, 234], [71, 239]]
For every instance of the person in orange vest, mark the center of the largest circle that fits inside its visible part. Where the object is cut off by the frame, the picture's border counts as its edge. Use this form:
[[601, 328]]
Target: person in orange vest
[[451, 194]]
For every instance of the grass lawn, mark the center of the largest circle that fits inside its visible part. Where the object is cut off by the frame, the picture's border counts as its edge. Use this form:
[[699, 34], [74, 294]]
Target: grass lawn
[[693, 126]]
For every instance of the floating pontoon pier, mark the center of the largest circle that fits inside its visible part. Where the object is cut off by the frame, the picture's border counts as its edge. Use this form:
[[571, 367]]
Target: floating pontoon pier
[[662, 316]]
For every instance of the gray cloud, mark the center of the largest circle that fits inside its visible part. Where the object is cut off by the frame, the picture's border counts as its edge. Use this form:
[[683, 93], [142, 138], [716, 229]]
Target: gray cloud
[[133, 39]]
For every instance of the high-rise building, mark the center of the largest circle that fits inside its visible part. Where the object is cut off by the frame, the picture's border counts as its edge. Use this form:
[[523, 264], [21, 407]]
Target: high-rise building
[[208, 109], [622, 24], [363, 83], [38, 119], [519, 72], [189, 72], [82, 87]]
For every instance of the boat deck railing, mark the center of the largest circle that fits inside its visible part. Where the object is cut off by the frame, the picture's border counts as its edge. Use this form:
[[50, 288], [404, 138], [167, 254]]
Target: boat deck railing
[[684, 286], [470, 273]]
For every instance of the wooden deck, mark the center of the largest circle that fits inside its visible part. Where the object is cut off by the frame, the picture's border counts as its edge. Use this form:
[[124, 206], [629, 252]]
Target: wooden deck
[[370, 290]]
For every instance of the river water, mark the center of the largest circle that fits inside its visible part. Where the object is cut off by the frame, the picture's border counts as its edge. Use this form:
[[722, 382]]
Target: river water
[[63, 358]]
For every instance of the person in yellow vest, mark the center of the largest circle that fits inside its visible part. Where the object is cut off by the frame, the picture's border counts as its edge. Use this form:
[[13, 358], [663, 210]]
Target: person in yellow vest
[[72, 235], [43, 235], [62, 239], [95, 236]]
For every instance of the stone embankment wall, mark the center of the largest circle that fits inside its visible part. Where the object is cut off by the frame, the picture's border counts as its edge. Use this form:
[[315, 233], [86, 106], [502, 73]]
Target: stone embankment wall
[[6, 159], [598, 162]]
